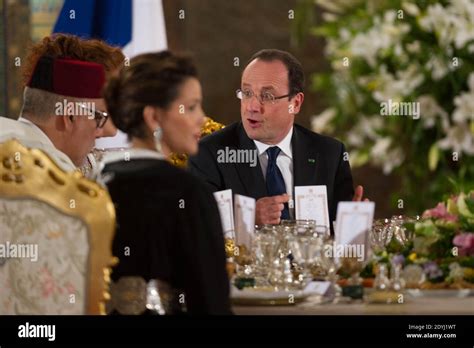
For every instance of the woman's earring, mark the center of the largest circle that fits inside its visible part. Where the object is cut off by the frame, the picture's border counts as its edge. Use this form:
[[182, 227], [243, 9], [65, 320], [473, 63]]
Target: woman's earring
[[157, 135]]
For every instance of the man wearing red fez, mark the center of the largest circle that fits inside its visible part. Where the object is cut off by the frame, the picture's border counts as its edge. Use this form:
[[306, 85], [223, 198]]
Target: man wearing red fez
[[63, 110]]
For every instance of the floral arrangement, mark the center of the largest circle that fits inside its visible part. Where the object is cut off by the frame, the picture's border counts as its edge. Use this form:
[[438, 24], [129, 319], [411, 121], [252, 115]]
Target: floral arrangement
[[440, 250], [388, 54]]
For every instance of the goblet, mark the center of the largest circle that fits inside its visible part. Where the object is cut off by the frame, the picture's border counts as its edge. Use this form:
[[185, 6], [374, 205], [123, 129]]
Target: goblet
[[305, 247]]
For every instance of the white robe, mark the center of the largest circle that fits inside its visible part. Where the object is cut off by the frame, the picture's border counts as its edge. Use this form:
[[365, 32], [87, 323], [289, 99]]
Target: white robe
[[30, 135]]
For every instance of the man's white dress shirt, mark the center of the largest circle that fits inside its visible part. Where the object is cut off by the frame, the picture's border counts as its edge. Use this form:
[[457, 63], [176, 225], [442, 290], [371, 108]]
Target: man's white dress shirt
[[284, 162]]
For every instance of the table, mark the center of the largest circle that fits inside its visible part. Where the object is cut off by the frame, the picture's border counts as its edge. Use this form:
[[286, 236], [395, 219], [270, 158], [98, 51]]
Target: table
[[412, 306]]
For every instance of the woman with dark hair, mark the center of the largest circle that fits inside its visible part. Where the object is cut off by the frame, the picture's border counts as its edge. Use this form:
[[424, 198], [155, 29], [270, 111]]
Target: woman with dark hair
[[168, 226]]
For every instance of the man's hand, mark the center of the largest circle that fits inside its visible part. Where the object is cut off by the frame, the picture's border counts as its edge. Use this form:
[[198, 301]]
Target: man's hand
[[359, 193], [268, 209]]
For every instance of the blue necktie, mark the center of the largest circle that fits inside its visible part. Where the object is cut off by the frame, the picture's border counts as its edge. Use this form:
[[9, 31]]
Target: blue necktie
[[274, 178]]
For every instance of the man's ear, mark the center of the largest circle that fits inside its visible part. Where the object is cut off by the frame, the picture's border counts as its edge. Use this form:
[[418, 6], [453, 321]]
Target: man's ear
[[64, 123], [297, 102], [152, 117]]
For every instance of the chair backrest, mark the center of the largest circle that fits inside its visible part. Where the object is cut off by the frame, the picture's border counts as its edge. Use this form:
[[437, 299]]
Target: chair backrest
[[56, 233]]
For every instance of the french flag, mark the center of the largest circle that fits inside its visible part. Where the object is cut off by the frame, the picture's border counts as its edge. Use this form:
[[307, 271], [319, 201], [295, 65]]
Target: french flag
[[138, 26]]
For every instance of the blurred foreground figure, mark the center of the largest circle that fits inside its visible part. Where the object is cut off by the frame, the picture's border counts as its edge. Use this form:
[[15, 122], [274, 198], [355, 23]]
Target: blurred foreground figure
[[169, 238]]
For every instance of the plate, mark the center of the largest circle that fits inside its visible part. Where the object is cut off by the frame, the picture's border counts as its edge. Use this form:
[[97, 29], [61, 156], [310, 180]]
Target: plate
[[441, 293], [266, 297]]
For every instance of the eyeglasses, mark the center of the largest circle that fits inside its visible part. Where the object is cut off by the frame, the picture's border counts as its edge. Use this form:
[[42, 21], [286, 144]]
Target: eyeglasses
[[264, 98], [100, 117]]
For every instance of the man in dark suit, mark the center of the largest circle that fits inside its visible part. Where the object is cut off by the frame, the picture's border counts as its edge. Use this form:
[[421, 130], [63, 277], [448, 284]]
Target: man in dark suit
[[266, 154]]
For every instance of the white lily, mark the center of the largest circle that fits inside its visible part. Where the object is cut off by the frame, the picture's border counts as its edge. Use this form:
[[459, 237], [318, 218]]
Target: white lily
[[430, 110], [464, 111], [322, 122], [438, 67], [384, 155], [459, 139]]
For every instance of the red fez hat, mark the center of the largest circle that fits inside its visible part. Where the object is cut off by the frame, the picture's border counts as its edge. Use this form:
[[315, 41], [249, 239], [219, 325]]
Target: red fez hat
[[68, 77]]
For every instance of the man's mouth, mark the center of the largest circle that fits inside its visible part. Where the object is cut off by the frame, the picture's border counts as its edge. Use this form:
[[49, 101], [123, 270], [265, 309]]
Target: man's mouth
[[254, 123]]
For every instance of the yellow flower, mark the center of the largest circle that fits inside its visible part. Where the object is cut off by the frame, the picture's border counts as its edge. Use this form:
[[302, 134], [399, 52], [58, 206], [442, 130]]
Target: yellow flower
[[412, 257], [372, 85], [468, 272]]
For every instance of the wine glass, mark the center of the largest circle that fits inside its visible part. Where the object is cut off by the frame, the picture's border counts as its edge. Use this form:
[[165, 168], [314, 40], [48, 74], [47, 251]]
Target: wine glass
[[265, 250], [305, 246]]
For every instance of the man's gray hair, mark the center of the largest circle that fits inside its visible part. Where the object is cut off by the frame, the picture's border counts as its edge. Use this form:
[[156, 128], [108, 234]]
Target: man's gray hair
[[41, 105]]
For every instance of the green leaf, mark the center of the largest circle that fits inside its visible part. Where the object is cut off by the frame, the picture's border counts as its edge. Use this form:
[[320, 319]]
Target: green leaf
[[433, 157], [464, 208]]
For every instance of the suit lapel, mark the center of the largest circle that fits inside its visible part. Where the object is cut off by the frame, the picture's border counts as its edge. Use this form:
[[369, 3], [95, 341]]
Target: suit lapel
[[305, 160], [251, 177]]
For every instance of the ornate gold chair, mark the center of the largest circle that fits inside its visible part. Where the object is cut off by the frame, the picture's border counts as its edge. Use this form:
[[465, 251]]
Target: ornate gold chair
[[56, 233]]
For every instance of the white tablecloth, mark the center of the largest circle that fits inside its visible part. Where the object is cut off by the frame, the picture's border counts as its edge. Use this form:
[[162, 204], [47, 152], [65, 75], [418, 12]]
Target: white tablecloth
[[412, 306]]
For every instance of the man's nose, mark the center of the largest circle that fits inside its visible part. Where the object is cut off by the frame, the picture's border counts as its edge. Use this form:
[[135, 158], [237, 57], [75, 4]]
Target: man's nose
[[99, 132], [253, 104]]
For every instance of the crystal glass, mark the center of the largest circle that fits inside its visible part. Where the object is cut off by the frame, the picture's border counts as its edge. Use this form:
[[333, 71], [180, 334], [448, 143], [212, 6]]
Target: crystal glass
[[266, 249], [283, 256], [266, 244], [153, 299], [381, 282], [377, 236], [329, 268], [320, 262], [305, 246], [298, 222], [384, 230], [397, 283]]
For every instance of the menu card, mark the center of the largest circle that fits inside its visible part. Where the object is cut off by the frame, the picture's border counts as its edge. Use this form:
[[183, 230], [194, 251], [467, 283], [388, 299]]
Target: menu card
[[244, 208], [226, 212], [312, 204], [353, 223]]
